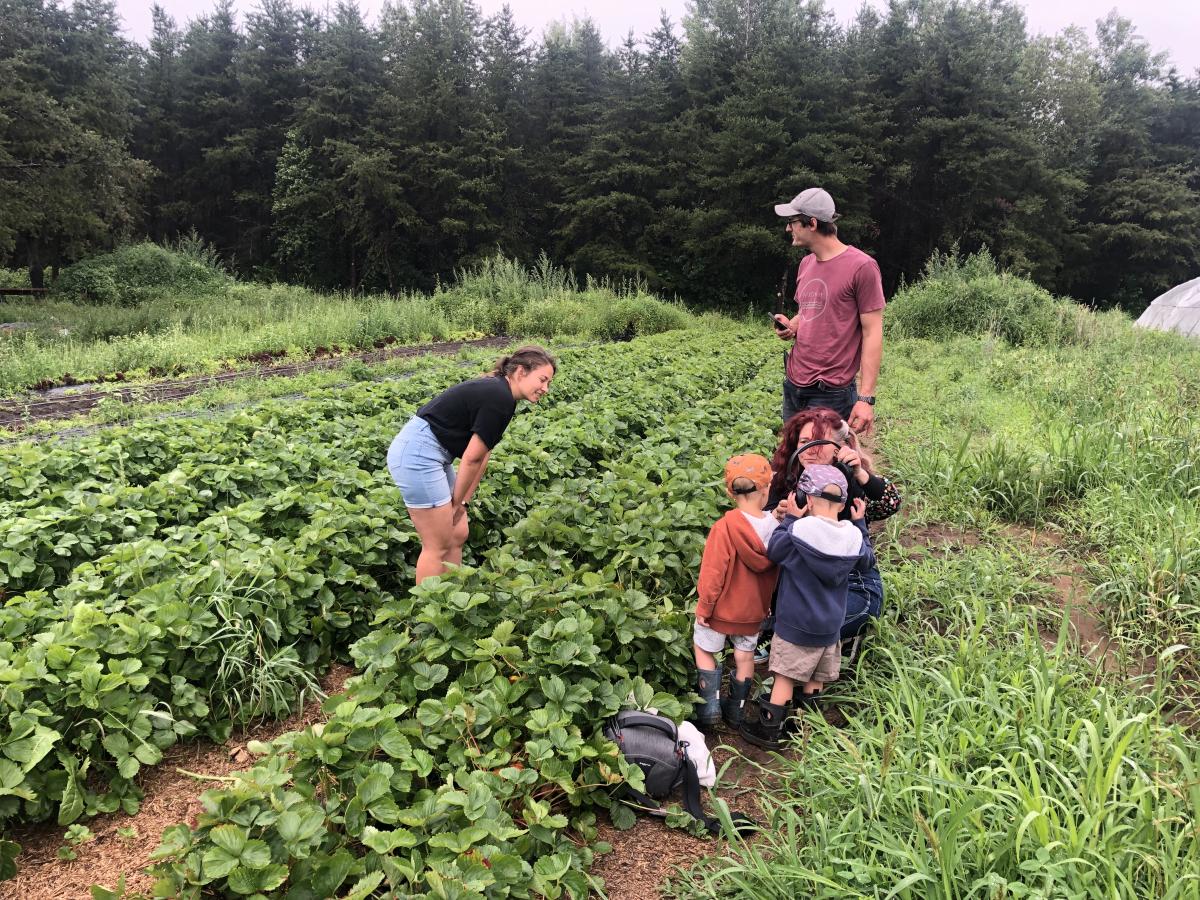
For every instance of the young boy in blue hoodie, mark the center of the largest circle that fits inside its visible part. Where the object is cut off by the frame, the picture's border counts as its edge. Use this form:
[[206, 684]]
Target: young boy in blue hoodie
[[816, 554]]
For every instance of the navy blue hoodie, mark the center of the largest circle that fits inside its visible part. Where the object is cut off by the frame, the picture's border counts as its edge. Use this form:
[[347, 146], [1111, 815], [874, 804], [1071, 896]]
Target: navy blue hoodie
[[814, 576]]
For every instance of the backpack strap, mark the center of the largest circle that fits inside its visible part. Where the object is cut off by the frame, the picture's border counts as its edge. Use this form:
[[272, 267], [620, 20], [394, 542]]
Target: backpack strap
[[742, 824]]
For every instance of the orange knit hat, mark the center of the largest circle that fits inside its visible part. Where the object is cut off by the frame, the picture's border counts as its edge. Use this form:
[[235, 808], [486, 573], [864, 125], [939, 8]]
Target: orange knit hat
[[748, 465]]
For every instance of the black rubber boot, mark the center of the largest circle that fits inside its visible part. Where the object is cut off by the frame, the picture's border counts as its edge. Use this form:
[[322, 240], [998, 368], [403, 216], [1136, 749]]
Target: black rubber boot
[[707, 712], [800, 702], [733, 706], [766, 729]]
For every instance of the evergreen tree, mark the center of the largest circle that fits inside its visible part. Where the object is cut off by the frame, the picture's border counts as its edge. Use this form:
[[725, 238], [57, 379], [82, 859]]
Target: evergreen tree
[[444, 183], [1142, 214], [611, 199], [157, 132], [326, 162], [570, 89], [270, 87], [964, 163], [67, 182], [767, 119], [507, 61], [202, 192]]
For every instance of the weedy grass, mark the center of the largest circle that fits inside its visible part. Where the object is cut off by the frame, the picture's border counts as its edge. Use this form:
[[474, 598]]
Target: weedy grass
[[982, 754], [977, 760], [184, 327], [1095, 439]]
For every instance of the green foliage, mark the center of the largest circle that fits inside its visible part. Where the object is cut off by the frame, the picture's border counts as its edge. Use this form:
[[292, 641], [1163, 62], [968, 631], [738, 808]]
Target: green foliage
[[978, 756], [1086, 438], [632, 316], [188, 575], [178, 331], [321, 149], [136, 273], [465, 756], [14, 279], [969, 296], [466, 749]]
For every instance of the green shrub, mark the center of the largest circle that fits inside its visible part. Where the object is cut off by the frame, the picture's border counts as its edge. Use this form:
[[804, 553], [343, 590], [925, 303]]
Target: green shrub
[[14, 278], [969, 296], [139, 273], [629, 317], [87, 283], [547, 318]]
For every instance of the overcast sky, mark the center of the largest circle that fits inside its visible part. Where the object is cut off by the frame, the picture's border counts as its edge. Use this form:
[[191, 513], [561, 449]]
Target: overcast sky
[[1165, 24]]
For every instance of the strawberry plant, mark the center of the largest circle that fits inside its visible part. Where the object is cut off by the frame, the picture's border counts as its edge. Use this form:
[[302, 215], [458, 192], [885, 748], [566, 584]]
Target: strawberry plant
[[264, 543]]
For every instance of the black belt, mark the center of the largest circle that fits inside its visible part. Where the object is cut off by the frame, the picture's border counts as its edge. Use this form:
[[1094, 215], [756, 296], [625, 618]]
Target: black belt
[[824, 386]]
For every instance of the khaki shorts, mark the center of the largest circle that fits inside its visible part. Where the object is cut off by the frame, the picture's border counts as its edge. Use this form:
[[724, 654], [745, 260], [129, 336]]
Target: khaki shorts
[[805, 663]]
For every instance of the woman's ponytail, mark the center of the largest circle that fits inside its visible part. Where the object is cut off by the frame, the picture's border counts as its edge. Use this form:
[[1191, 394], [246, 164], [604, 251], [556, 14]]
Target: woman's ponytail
[[527, 358]]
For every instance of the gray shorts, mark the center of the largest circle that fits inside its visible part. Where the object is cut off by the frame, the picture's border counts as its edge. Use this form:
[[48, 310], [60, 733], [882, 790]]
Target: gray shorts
[[714, 641], [805, 663]]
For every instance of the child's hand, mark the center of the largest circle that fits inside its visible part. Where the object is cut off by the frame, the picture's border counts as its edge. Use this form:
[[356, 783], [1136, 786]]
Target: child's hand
[[858, 508], [701, 620], [787, 507]]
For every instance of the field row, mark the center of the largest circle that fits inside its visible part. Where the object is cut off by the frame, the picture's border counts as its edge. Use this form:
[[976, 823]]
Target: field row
[[149, 636]]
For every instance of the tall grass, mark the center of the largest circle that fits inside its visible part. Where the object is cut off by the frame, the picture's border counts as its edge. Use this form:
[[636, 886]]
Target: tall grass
[[186, 330], [1094, 437], [976, 762], [971, 296], [983, 755]]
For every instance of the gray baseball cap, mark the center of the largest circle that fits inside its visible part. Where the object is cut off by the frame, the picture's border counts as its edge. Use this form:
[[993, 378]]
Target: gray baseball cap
[[814, 202]]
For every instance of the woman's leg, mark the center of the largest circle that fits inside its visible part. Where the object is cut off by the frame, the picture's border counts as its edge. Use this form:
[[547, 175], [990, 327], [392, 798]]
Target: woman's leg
[[458, 540], [864, 602], [438, 539]]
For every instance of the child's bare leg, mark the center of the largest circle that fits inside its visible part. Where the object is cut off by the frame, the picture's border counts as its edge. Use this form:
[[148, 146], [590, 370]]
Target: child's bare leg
[[813, 687], [781, 690], [706, 660], [744, 661]]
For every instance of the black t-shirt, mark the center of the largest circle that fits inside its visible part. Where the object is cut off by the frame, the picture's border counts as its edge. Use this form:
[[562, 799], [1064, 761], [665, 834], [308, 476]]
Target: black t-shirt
[[482, 406]]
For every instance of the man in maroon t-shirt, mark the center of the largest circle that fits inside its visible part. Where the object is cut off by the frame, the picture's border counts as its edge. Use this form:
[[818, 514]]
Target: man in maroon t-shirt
[[838, 327]]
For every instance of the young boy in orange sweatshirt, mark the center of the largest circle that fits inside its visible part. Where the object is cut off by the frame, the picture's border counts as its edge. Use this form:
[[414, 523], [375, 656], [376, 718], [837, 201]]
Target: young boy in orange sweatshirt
[[735, 586]]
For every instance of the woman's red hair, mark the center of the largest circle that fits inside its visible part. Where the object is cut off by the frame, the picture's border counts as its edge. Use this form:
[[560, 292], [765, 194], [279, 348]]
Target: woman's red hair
[[825, 423]]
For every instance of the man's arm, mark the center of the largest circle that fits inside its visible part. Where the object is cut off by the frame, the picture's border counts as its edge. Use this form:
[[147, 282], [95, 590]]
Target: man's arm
[[862, 417]]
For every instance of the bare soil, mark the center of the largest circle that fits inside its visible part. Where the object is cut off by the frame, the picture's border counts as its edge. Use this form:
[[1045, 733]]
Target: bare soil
[[645, 855], [937, 539], [171, 797], [49, 402]]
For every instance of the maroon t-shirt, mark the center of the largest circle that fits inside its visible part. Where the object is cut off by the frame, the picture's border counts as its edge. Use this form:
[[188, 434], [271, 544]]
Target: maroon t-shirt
[[830, 297]]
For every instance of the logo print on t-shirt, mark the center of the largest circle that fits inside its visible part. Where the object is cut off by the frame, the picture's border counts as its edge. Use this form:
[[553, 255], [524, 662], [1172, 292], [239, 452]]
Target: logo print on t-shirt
[[812, 299]]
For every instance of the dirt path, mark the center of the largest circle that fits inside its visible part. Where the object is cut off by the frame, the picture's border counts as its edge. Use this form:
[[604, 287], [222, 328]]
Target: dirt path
[[42, 405], [1072, 592], [171, 798], [646, 854]]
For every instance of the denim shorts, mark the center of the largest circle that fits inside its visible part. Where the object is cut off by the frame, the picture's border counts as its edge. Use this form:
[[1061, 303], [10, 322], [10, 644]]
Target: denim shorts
[[421, 466], [864, 601]]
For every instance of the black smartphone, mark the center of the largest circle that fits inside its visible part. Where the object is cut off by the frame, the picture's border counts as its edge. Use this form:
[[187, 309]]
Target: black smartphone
[[779, 326]]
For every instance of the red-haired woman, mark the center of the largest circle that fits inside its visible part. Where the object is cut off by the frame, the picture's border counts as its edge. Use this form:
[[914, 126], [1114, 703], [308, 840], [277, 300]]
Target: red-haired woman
[[819, 436]]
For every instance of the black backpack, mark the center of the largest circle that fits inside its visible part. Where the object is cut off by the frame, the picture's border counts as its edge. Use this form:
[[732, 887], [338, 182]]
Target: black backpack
[[652, 742]]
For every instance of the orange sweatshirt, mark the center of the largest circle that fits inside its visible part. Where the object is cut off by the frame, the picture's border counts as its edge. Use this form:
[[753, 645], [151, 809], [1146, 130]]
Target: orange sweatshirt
[[736, 578]]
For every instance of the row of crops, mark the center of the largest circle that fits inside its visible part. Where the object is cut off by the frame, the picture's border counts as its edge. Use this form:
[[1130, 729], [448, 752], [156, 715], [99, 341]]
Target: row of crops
[[187, 576]]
